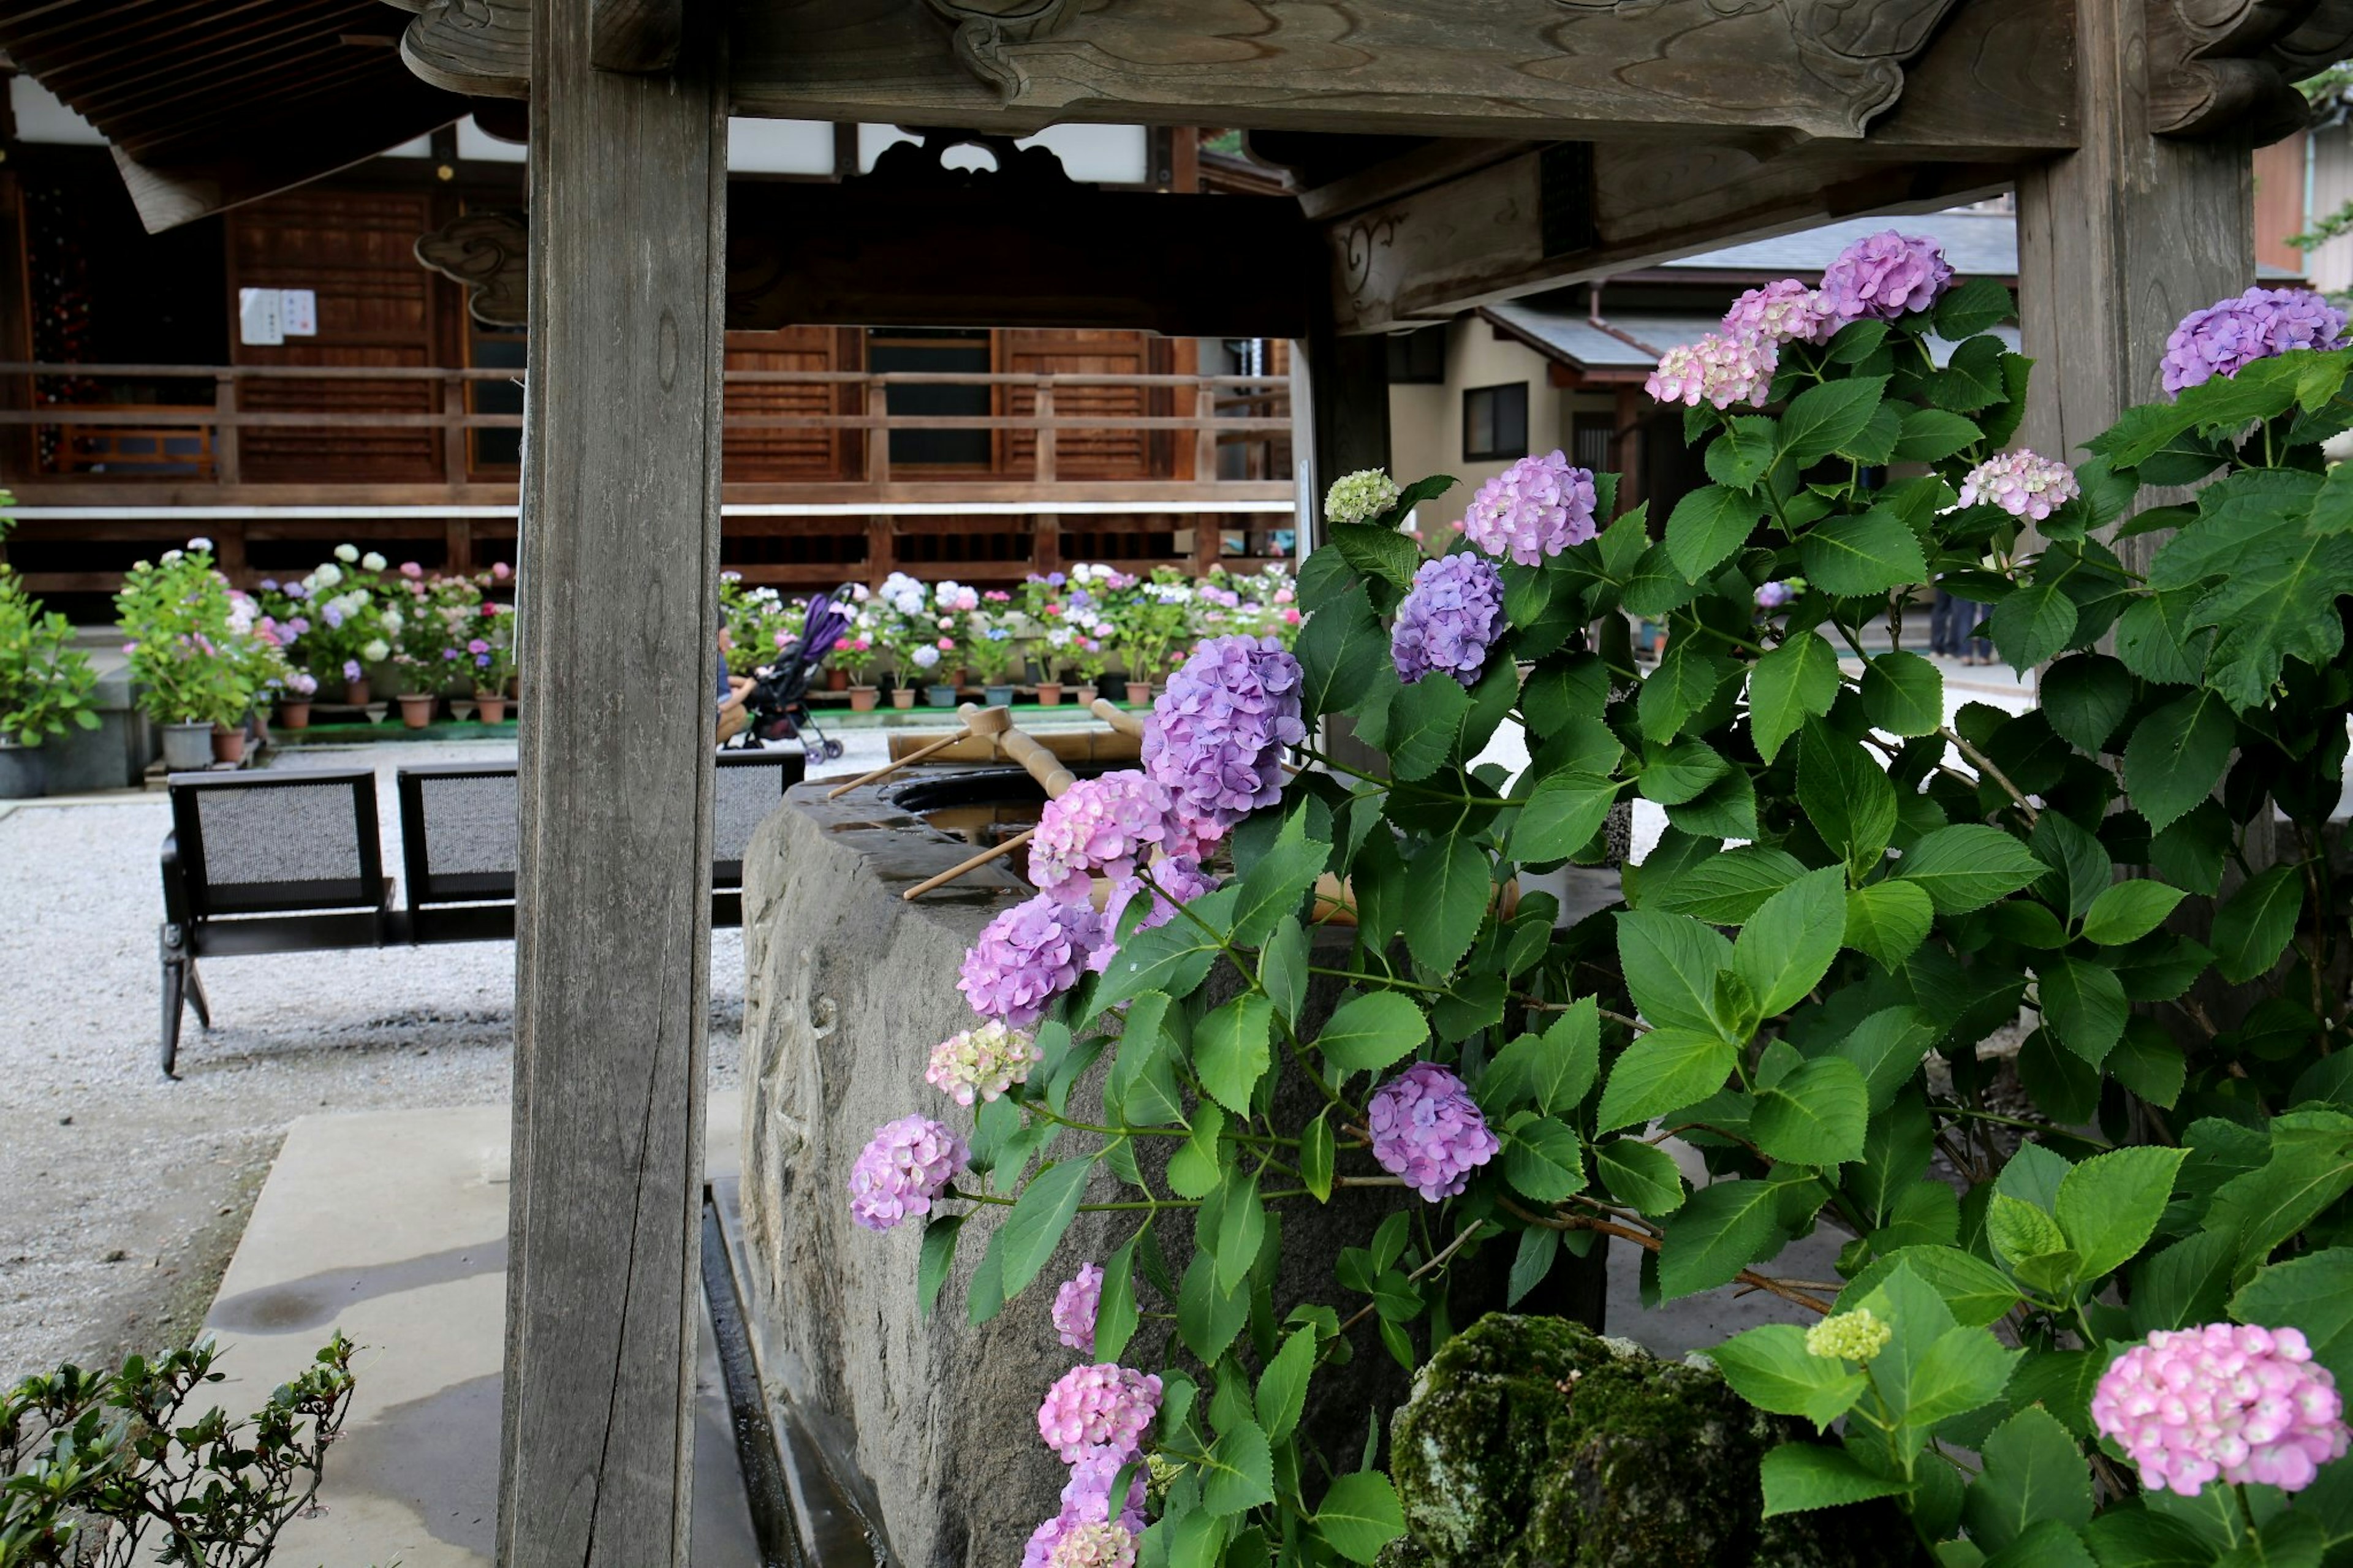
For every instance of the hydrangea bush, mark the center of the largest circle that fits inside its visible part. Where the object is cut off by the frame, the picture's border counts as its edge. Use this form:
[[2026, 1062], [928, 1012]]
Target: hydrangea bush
[[2095, 1318]]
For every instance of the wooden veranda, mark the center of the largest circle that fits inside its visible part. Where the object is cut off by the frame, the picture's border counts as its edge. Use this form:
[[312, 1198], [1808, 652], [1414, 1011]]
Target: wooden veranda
[[1442, 156]]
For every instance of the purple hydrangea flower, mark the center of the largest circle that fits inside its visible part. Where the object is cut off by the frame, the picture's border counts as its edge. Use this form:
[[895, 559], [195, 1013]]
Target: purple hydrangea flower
[[2243, 1403], [1772, 595], [352, 670], [1100, 1406], [1448, 619], [1886, 275], [1027, 956], [1537, 507], [1180, 879], [1039, 1553], [1717, 370], [1783, 313], [2231, 334], [2021, 484], [1110, 825], [1094, 1546], [1075, 1304], [1426, 1128], [1087, 1497], [1216, 736], [903, 1171]]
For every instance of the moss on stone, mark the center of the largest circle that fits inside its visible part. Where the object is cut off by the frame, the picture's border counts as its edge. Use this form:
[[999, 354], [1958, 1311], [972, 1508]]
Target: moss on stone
[[1534, 1443]]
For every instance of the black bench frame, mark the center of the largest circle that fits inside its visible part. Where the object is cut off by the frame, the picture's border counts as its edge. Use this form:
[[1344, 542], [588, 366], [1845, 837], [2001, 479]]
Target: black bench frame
[[202, 919]]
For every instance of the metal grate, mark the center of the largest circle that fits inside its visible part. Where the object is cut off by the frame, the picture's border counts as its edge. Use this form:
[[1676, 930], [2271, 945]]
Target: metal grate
[[288, 834], [472, 825]]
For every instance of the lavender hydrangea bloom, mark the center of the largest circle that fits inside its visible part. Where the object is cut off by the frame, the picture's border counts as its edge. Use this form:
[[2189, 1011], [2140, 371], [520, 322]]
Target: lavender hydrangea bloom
[[2231, 334], [1772, 595], [1027, 956], [1537, 507], [1448, 619], [1216, 736], [1884, 275], [1782, 312], [1075, 1304], [2021, 484], [1039, 1553], [1087, 1497], [1108, 824], [1100, 1406], [1180, 881], [899, 1174], [1426, 1128]]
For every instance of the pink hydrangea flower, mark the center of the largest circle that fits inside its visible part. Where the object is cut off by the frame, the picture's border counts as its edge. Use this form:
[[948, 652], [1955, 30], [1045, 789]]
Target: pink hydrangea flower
[[1086, 1497], [1039, 1552], [1100, 1406], [1427, 1130], [1783, 313], [1884, 275], [2241, 1404], [981, 1062], [2021, 484], [1074, 1308], [1536, 508], [1109, 824], [1094, 1546], [1027, 956], [903, 1171], [1717, 370]]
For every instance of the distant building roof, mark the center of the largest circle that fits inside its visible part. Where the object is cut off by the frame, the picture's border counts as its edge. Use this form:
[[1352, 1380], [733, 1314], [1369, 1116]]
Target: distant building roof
[[1979, 244], [1629, 345]]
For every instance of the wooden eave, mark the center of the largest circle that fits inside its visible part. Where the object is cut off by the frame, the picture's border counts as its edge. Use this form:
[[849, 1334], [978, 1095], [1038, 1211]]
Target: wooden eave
[[211, 104]]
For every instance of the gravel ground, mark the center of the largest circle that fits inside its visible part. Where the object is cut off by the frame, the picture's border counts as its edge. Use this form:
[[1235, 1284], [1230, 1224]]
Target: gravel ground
[[126, 1194]]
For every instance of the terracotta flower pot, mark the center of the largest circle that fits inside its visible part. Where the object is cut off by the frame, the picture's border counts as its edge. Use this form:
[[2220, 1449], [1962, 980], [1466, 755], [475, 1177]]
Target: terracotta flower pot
[[1086, 694], [294, 715], [493, 709], [355, 692], [863, 699], [1050, 694], [902, 697], [417, 712], [228, 744], [837, 680]]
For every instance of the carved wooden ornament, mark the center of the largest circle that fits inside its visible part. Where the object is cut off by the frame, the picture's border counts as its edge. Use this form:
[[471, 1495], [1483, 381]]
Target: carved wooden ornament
[[2230, 66], [484, 250]]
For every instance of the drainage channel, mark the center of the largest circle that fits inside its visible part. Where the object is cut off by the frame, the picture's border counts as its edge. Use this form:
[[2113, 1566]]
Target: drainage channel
[[799, 1516]]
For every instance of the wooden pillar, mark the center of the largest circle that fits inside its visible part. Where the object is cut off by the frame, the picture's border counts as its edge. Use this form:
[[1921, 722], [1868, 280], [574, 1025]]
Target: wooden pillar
[[2119, 240], [619, 569]]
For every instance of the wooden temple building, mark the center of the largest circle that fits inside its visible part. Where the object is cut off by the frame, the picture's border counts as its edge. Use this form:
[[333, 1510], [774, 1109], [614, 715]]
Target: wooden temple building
[[1439, 158]]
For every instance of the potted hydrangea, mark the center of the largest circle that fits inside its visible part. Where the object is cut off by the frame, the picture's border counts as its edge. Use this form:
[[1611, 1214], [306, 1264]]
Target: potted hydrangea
[[185, 659], [45, 687], [491, 652]]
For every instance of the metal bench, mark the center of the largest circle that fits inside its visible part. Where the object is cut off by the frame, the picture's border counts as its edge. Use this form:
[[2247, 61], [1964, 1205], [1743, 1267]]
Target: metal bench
[[292, 862]]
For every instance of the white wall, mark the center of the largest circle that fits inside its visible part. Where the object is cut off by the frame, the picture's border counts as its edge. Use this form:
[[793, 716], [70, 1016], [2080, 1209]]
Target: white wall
[[1112, 155], [1426, 422]]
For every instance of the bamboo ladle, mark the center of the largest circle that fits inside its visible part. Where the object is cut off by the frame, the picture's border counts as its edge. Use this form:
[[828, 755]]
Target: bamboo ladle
[[979, 723]]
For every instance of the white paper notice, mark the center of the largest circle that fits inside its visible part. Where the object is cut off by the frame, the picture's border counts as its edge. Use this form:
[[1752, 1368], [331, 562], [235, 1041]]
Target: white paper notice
[[297, 310], [259, 316]]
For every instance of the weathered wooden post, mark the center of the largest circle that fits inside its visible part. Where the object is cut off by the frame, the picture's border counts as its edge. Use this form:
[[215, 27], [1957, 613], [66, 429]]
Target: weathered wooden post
[[620, 547]]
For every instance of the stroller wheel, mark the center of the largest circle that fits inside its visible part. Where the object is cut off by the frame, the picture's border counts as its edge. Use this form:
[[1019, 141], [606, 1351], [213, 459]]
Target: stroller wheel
[[832, 750]]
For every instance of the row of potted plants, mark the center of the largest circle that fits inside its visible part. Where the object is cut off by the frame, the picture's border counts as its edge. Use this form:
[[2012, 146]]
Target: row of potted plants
[[1092, 626], [46, 684]]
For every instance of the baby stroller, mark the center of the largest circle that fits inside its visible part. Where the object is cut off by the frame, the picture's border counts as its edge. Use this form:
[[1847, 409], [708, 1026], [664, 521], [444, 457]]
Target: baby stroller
[[777, 707]]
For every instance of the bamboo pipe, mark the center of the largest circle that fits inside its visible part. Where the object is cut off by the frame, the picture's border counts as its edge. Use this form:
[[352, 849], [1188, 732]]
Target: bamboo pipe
[[977, 721], [973, 864], [1118, 718]]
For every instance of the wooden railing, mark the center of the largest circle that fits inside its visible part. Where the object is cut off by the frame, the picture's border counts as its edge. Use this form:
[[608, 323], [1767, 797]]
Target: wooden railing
[[93, 440]]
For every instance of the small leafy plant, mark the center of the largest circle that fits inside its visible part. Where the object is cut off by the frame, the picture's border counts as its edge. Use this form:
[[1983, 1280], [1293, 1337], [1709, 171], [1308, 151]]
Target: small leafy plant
[[113, 1469], [45, 683]]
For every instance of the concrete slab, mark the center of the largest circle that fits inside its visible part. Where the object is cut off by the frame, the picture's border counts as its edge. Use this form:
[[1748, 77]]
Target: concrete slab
[[392, 1226]]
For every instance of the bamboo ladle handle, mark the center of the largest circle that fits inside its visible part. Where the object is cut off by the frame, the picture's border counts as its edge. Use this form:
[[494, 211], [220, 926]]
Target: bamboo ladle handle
[[977, 721], [1118, 718]]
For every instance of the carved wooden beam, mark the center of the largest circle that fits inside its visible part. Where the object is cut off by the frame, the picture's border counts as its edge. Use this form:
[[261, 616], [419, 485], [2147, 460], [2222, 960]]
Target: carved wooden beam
[[1578, 211], [1824, 69], [2218, 66]]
